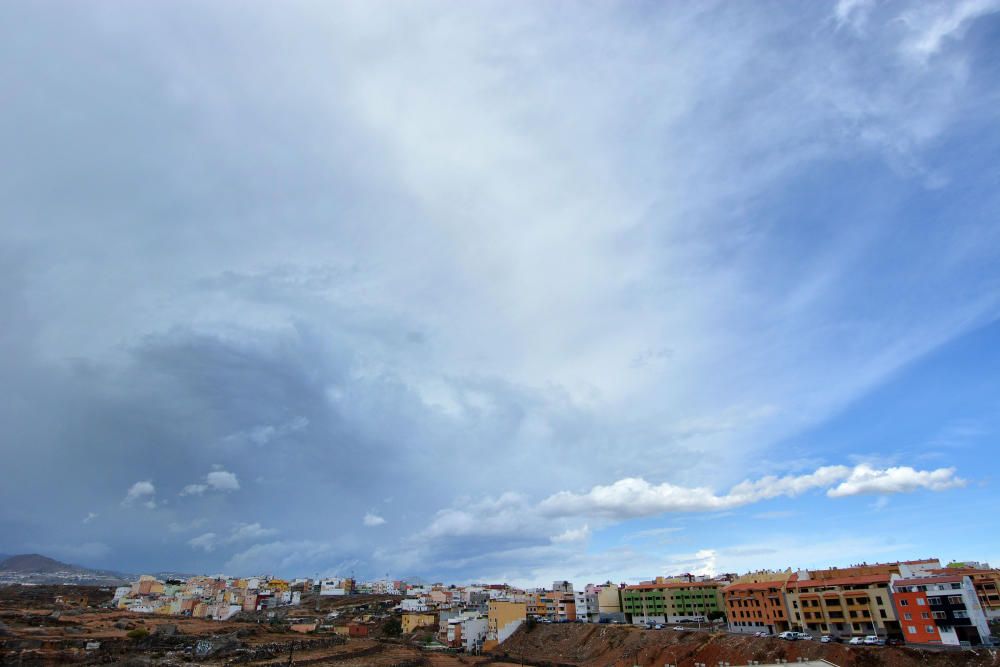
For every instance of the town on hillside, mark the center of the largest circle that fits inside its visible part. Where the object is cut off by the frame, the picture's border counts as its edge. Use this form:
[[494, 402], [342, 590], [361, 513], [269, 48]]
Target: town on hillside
[[916, 602]]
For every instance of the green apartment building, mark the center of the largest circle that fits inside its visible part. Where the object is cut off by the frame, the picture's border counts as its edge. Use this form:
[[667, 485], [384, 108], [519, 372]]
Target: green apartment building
[[671, 602]]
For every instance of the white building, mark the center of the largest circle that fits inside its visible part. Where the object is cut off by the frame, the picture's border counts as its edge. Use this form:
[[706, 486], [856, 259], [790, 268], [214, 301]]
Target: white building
[[469, 630], [332, 587], [586, 606], [413, 604]]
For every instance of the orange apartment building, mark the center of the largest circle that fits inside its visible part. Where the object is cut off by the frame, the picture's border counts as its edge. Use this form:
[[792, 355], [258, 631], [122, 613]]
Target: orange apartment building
[[757, 603], [558, 606]]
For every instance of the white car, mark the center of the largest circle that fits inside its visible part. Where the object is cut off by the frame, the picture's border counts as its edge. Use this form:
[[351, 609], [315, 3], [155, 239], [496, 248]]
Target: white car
[[874, 640], [804, 635], [790, 636], [856, 641], [678, 628]]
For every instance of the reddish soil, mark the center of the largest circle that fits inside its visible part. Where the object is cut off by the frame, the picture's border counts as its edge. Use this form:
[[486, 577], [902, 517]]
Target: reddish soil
[[585, 645]]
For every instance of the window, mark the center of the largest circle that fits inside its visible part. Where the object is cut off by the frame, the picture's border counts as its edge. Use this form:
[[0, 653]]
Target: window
[[911, 629], [904, 603], [907, 617], [961, 614], [937, 614], [929, 628], [921, 602], [955, 599]]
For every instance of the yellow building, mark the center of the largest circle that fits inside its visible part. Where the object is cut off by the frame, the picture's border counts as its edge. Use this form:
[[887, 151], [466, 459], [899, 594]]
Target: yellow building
[[502, 619], [853, 605], [413, 621], [278, 585], [609, 600]]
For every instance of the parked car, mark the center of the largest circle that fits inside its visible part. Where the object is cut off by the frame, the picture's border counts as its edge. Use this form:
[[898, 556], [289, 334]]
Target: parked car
[[893, 642], [874, 640], [856, 641], [657, 627], [803, 635], [790, 636], [827, 639], [678, 628]]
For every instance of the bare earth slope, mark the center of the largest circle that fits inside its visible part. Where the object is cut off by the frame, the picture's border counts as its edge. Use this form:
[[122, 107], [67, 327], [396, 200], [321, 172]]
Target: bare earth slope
[[587, 645]]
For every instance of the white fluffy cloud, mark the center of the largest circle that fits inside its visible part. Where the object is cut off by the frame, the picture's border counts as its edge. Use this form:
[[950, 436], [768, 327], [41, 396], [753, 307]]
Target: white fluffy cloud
[[371, 520], [141, 492], [635, 497], [867, 480], [572, 535], [217, 480], [221, 480]]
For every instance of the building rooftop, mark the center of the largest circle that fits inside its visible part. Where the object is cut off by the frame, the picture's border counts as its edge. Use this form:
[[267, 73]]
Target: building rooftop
[[673, 584], [841, 581], [936, 579]]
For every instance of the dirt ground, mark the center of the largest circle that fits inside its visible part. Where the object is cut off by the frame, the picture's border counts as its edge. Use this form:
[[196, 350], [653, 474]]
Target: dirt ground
[[586, 645], [34, 630]]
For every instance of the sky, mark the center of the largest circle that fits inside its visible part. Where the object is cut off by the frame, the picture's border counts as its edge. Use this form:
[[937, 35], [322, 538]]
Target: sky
[[499, 291]]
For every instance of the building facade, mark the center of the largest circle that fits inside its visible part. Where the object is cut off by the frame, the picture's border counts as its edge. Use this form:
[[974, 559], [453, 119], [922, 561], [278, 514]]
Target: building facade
[[940, 609], [757, 604], [502, 619], [843, 606], [673, 602]]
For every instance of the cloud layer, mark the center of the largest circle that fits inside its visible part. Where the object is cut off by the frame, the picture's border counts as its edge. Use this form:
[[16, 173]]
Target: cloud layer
[[474, 274]]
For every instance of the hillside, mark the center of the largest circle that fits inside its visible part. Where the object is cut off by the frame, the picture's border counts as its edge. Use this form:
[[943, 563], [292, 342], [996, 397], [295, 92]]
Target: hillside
[[39, 569], [587, 645], [36, 564]]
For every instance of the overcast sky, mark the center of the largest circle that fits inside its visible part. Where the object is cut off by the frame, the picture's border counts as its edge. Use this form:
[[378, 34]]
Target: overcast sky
[[509, 291]]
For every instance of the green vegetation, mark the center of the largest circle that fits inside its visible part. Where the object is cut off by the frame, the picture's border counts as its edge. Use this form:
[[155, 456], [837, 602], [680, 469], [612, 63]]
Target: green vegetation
[[393, 627]]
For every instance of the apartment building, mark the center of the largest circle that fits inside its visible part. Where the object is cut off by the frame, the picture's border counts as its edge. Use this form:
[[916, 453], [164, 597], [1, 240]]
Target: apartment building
[[467, 631], [940, 609], [843, 606], [986, 581], [609, 602], [756, 603], [502, 619], [557, 605], [587, 609], [672, 602]]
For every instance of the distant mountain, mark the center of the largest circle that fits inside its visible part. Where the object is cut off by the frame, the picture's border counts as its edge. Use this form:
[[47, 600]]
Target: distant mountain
[[36, 568], [36, 564]]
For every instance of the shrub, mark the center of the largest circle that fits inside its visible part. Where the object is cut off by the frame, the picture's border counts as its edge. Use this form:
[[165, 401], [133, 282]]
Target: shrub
[[137, 634], [393, 627]]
